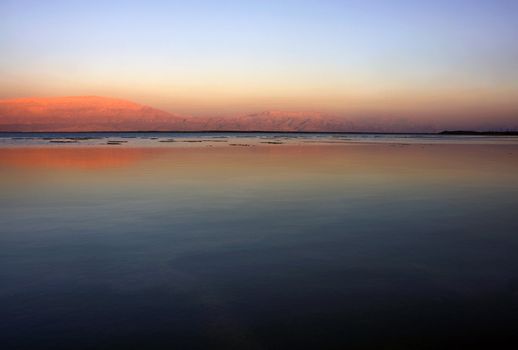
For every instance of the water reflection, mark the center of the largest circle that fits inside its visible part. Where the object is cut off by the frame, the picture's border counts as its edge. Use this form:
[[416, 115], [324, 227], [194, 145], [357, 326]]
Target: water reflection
[[273, 246]]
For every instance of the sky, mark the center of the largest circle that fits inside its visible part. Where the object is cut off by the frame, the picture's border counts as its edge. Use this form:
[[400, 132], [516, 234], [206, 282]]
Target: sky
[[428, 60]]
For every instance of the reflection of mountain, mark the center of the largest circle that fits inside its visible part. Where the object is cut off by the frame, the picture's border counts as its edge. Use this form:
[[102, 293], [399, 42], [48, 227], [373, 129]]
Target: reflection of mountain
[[92, 113], [91, 158]]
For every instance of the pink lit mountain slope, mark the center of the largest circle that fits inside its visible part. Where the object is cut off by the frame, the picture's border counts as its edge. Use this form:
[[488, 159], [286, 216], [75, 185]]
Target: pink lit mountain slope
[[84, 113]]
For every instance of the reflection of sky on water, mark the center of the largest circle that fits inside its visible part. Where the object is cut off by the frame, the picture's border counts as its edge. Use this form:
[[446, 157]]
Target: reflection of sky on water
[[264, 246]]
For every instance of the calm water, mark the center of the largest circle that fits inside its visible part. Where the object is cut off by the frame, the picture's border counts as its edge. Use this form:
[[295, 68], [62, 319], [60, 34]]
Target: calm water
[[257, 241]]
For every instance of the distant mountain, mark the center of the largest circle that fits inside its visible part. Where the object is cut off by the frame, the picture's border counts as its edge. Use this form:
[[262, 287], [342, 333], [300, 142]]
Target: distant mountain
[[92, 113], [83, 113], [280, 121]]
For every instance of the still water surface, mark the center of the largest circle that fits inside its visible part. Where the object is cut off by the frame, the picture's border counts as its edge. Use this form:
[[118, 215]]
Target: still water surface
[[257, 241]]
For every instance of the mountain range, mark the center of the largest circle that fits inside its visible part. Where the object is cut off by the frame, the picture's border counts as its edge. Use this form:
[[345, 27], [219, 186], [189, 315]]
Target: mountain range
[[93, 113]]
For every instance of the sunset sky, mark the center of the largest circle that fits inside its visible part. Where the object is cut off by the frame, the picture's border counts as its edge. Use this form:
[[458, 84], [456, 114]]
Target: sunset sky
[[418, 59]]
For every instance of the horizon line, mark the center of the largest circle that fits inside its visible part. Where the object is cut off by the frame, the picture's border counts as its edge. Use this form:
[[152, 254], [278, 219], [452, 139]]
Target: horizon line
[[444, 132]]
